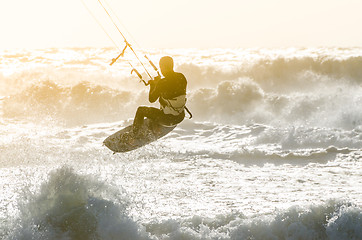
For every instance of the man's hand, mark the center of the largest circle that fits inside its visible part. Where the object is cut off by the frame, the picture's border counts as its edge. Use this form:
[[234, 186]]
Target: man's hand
[[155, 80]]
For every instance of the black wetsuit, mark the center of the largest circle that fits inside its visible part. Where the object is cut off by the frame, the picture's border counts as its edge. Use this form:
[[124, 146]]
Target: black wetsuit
[[173, 85]]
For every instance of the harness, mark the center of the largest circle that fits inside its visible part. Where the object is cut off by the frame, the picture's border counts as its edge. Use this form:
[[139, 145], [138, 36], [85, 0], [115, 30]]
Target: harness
[[174, 106]]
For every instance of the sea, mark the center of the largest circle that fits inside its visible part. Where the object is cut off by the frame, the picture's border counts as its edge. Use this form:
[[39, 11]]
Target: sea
[[273, 151]]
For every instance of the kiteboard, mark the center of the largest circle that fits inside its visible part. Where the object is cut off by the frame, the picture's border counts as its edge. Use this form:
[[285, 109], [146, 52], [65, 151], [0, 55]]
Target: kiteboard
[[125, 140]]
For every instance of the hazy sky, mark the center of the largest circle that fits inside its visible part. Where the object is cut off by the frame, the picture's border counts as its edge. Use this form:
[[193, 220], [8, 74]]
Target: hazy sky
[[183, 23]]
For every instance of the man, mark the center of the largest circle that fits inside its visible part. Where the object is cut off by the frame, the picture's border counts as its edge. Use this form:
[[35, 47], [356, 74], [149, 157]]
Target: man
[[170, 92]]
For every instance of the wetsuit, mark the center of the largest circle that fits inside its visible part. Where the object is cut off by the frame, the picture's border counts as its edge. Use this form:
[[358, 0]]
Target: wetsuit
[[171, 93]]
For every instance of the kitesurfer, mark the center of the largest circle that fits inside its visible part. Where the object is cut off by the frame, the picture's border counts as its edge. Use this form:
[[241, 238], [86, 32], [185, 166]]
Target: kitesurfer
[[171, 94]]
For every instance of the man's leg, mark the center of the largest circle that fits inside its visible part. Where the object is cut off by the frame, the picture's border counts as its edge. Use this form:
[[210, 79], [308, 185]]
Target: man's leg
[[148, 112]]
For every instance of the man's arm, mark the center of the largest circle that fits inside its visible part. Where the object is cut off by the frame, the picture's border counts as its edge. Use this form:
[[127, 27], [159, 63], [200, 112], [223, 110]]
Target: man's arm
[[154, 91]]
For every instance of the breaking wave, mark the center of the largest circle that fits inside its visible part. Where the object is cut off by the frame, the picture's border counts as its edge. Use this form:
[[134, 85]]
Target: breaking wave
[[73, 206], [78, 104], [311, 87], [332, 221], [231, 102]]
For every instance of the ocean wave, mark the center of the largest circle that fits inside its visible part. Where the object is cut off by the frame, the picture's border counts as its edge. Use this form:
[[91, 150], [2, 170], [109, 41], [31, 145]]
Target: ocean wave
[[278, 71], [333, 220], [245, 102], [271, 68], [232, 102], [252, 145], [73, 206], [281, 71], [259, 144], [320, 87], [80, 104]]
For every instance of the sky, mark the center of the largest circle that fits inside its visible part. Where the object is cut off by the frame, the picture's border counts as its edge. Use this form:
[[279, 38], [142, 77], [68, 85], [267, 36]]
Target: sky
[[181, 23]]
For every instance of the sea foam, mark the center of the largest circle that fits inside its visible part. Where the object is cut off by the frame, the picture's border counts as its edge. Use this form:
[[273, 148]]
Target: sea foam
[[73, 206], [309, 87]]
